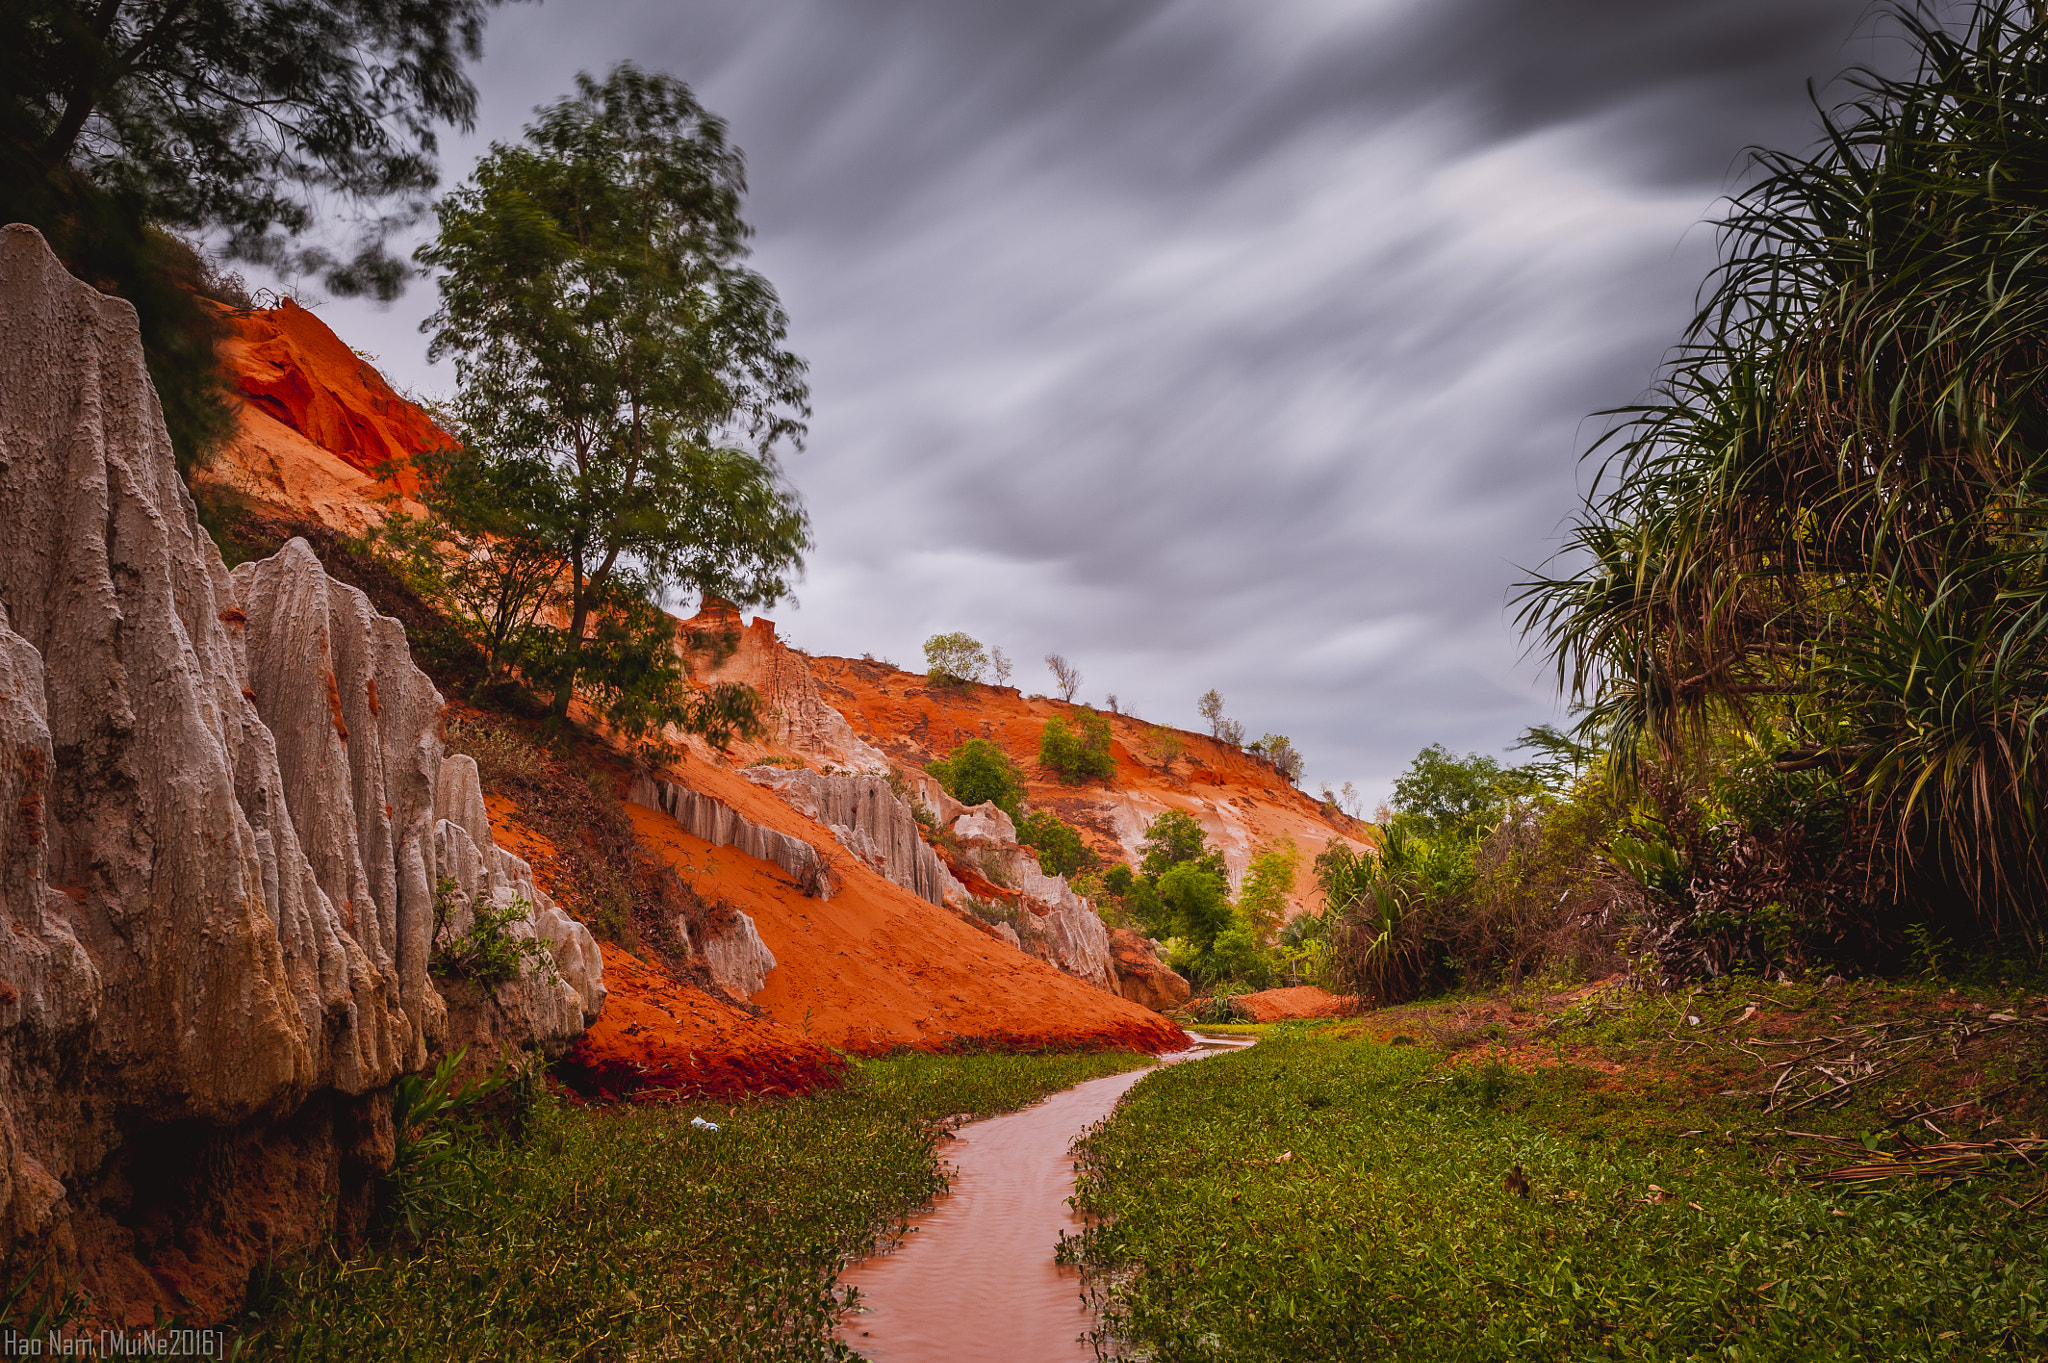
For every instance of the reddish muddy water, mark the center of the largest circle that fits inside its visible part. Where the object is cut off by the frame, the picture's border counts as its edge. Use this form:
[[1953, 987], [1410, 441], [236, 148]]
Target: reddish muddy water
[[974, 1280]]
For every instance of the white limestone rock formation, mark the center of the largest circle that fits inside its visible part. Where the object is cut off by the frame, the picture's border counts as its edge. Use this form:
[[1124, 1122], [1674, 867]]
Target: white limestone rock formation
[[217, 867], [869, 821], [1079, 941], [723, 826], [478, 871], [867, 817], [799, 719], [739, 959]]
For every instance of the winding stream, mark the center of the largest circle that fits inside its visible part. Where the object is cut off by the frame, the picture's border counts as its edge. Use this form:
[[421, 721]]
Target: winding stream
[[974, 1278]]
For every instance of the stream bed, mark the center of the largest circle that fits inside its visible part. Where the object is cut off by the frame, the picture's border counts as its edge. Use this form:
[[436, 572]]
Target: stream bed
[[973, 1279]]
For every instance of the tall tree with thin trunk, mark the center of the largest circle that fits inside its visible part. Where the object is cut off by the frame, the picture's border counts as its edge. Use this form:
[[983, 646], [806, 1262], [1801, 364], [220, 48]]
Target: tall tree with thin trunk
[[623, 373], [1066, 677]]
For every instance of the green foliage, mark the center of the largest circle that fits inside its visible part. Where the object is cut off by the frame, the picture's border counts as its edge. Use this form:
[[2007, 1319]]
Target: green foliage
[[1314, 1198], [1268, 884], [1824, 526], [1163, 743], [955, 659], [1225, 730], [1079, 754], [1195, 906], [230, 120], [1175, 839], [616, 1232], [1215, 1010], [431, 1136], [1058, 844], [979, 771], [473, 555], [1280, 751], [1443, 795], [623, 380], [486, 952]]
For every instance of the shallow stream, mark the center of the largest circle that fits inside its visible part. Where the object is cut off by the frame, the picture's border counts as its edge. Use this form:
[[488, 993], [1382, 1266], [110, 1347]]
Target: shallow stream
[[973, 1280]]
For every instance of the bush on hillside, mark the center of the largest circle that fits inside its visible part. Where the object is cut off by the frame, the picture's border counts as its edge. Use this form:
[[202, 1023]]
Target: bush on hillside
[[1077, 757], [1280, 751], [1057, 842], [978, 771], [955, 659]]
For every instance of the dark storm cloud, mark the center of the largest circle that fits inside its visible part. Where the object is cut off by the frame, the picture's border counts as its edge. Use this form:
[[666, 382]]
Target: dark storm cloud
[[1211, 344]]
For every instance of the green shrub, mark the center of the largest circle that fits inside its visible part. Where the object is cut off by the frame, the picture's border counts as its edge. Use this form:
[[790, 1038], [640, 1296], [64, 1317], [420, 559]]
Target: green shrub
[[955, 659], [1216, 1010], [1060, 849], [486, 953], [1175, 838], [1077, 757], [978, 771]]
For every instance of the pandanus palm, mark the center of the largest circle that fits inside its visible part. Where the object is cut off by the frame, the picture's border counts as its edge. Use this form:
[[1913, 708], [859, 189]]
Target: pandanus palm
[[1830, 521]]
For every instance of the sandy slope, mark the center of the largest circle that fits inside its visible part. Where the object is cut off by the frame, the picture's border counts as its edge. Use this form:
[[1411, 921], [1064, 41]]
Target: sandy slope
[[1242, 801]]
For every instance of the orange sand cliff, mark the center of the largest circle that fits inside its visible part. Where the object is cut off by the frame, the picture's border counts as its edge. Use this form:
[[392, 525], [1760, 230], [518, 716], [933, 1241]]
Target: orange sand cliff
[[1242, 801], [875, 967], [317, 421]]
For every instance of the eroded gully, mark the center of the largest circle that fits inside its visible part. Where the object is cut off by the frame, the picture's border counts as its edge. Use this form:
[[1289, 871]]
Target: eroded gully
[[974, 1281]]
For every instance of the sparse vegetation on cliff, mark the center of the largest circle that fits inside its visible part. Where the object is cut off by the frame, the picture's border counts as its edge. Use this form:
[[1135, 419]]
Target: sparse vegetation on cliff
[[1079, 752], [978, 771], [957, 659]]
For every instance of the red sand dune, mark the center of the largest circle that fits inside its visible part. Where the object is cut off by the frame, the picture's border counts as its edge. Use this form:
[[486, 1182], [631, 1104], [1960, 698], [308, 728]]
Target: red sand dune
[[288, 365], [656, 1036], [1301, 1001]]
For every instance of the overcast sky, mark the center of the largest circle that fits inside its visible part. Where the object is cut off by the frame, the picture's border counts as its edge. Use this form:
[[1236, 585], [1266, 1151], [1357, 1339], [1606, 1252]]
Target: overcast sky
[[1210, 343]]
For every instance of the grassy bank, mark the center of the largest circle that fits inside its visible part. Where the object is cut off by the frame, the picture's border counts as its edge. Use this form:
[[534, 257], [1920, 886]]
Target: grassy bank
[[612, 1233], [1328, 1195]]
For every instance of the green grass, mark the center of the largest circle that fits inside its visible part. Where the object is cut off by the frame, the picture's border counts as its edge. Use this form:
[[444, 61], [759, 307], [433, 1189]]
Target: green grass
[[1386, 1231], [617, 1233]]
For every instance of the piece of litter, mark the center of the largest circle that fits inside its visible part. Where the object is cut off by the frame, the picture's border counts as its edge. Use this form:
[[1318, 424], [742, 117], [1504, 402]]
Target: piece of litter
[[703, 1125]]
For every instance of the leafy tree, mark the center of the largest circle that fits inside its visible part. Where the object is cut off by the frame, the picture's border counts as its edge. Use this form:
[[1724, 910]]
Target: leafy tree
[[1196, 905], [999, 666], [1226, 730], [1066, 677], [1442, 794], [242, 116], [1268, 882], [1176, 839], [1057, 842], [979, 771], [614, 352], [123, 122], [954, 660], [487, 569], [1280, 751], [1078, 757]]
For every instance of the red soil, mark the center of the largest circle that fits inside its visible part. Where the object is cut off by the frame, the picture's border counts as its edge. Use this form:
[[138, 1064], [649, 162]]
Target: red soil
[[875, 967], [1302, 1001], [657, 1037], [291, 368]]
